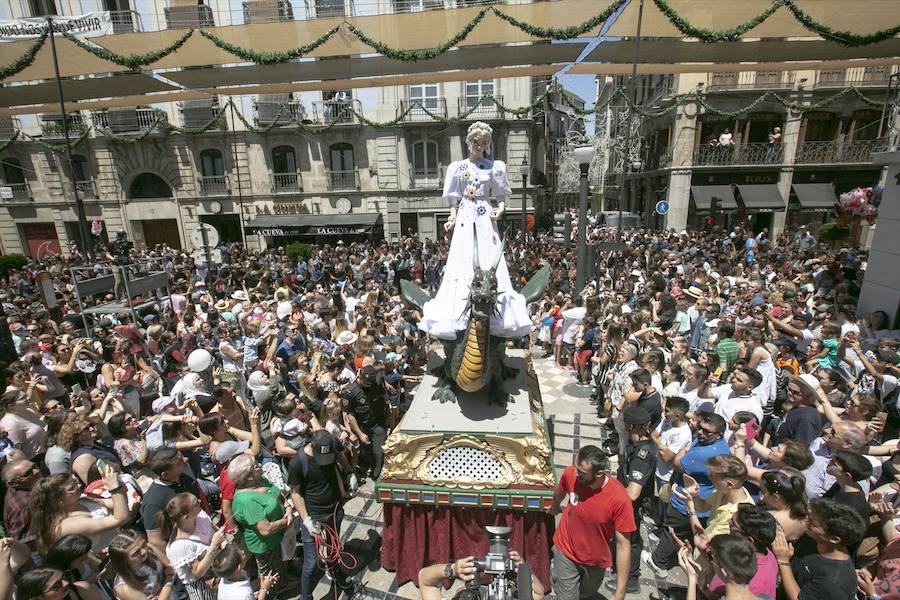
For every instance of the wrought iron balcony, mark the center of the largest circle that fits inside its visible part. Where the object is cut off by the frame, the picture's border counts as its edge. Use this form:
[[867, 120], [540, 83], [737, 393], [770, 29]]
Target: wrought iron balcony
[[743, 154], [285, 113], [482, 108], [9, 126], [856, 76], [267, 11], [20, 192], [286, 183], [416, 110], [342, 112], [129, 120], [191, 16], [343, 180], [426, 179], [213, 185], [840, 151], [86, 189], [125, 21], [52, 126], [751, 80]]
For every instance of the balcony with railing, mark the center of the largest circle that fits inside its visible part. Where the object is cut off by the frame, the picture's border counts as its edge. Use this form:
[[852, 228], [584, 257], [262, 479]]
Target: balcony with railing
[[87, 189], [856, 76], [751, 80], [9, 126], [417, 110], [739, 154], [664, 89], [483, 108], [286, 183], [52, 126], [188, 16], [279, 113], [213, 185], [125, 21], [198, 114], [267, 11], [16, 192], [840, 151], [341, 112], [342, 180], [129, 120], [426, 179]]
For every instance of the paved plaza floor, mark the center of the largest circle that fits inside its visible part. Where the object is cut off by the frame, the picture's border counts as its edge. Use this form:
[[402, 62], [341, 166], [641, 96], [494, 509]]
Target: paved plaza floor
[[573, 423]]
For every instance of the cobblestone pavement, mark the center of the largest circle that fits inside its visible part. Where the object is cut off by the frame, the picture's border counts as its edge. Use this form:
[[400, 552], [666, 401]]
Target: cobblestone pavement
[[573, 424]]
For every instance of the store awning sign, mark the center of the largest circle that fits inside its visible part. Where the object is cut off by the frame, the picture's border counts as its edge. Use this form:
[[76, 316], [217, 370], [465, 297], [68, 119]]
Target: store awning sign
[[93, 24]]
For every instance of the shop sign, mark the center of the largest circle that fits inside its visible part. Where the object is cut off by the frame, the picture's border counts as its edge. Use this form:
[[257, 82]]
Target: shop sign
[[321, 230], [92, 24], [282, 208]]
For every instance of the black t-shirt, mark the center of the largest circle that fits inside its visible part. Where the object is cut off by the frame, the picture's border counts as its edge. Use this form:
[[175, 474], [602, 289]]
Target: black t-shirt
[[822, 578], [318, 487], [366, 404], [802, 423], [158, 495], [639, 467], [855, 500], [652, 403]]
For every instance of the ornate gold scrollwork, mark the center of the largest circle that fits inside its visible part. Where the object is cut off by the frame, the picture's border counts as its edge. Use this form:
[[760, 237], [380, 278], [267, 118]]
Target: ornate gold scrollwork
[[529, 457], [507, 472], [403, 453]]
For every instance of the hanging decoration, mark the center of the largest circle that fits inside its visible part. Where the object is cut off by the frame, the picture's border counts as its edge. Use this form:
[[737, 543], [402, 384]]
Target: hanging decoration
[[561, 33], [24, 61], [270, 58], [132, 61]]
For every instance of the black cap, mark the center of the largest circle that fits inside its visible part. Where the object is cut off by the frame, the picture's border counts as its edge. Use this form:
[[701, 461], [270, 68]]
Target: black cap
[[368, 374], [786, 341], [635, 415], [324, 448]]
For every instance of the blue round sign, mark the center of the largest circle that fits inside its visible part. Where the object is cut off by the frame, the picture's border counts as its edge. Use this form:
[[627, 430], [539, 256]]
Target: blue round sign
[[662, 207]]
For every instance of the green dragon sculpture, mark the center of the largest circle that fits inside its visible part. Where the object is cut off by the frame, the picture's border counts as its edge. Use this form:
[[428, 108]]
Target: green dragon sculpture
[[474, 360]]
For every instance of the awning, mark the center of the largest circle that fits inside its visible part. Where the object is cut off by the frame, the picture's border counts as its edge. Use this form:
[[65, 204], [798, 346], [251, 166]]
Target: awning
[[290, 225], [763, 197], [815, 196], [704, 194]]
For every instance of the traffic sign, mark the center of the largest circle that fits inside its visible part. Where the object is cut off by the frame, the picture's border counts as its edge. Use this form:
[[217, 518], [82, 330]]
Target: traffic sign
[[662, 207]]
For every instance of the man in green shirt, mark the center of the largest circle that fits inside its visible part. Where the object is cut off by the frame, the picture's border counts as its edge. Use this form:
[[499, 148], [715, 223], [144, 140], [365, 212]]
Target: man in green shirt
[[727, 348]]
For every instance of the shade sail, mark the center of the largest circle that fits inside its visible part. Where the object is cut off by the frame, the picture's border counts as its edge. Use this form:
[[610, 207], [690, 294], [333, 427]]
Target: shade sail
[[815, 196], [681, 51], [648, 68], [761, 197], [79, 89], [858, 16], [703, 197], [290, 225]]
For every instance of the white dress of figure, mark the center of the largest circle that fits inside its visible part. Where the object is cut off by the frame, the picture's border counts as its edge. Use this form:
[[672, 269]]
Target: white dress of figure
[[447, 313]]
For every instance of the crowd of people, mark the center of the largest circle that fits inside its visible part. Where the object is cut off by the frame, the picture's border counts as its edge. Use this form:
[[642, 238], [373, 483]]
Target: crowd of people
[[201, 450]]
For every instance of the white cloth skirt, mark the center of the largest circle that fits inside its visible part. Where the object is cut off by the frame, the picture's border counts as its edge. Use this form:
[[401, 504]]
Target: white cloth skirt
[[447, 313]]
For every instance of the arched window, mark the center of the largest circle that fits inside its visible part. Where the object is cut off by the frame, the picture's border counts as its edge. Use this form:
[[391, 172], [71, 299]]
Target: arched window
[[284, 160], [12, 171], [80, 168], [425, 160], [211, 163], [148, 185]]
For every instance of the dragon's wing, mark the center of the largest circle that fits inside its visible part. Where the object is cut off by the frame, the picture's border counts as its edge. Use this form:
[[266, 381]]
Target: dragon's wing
[[413, 294], [512, 448], [535, 287]]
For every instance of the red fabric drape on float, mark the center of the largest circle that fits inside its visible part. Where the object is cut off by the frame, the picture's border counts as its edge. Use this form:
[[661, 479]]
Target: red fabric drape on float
[[418, 536]]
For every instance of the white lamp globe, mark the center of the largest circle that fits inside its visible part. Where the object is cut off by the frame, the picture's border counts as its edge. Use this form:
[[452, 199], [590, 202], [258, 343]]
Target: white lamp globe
[[199, 360]]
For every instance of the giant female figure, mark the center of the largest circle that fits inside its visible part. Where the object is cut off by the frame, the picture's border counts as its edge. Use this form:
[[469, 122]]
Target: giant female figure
[[469, 187]]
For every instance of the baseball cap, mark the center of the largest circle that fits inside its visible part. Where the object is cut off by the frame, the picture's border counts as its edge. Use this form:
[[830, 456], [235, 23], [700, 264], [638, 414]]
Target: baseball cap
[[162, 402], [228, 450], [323, 447]]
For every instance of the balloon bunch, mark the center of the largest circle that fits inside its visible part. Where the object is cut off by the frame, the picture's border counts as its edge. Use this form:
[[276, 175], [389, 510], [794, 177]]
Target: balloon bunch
[[859, 203]]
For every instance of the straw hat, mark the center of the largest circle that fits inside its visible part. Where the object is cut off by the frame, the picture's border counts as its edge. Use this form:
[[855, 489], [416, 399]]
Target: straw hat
[[811, 384]]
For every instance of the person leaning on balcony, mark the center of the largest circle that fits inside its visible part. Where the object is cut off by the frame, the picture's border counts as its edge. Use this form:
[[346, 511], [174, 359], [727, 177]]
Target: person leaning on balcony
[[775, 136]]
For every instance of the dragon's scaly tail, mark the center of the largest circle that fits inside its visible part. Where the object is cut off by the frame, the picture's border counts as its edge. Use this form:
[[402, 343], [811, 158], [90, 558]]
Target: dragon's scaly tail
[[471, 369]]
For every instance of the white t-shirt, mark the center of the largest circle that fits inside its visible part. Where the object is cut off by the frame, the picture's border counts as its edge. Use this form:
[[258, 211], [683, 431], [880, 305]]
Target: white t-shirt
[[235, 590], [728, 404], [674, 438], [571, 320]]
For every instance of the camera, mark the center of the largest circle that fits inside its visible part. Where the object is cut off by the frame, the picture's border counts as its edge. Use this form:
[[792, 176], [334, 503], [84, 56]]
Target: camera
[[505, 581]]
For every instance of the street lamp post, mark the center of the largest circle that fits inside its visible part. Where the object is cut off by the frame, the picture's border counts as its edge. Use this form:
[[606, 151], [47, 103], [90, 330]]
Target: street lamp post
[[524, 169], [583, 154]]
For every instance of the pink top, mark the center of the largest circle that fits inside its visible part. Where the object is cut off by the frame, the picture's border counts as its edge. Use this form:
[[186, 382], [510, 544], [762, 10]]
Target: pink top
[[763, 583]]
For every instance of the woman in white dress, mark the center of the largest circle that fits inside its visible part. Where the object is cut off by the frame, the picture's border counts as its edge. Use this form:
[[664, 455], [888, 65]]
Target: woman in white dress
[[468, 188]]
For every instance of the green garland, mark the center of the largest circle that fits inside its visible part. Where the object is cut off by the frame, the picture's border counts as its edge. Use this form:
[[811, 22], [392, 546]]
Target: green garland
[[709, 36], [132, 61], [133, 139], [217, 120], [270, 58], [561, 33], [61, 147], [421, 54], [24, 61]]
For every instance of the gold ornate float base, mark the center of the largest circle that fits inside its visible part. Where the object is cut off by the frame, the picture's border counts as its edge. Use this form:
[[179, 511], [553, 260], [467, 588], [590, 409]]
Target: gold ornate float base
[[469, 453]]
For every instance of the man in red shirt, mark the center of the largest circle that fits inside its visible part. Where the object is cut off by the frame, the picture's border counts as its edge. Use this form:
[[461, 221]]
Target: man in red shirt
[[598, 510]]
